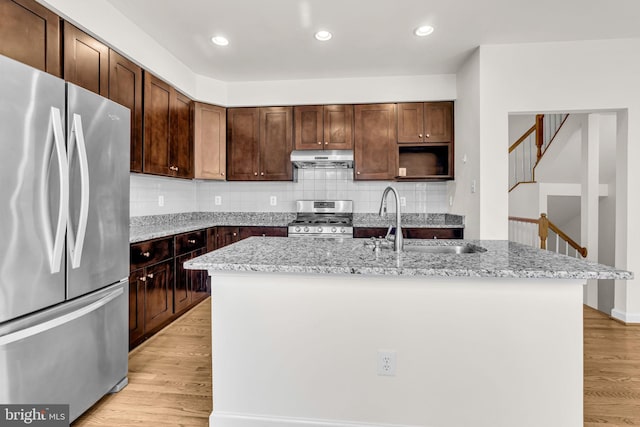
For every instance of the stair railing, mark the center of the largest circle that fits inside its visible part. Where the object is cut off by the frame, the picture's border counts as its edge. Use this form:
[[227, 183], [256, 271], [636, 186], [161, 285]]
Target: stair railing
[[526, 152], [538, 232]]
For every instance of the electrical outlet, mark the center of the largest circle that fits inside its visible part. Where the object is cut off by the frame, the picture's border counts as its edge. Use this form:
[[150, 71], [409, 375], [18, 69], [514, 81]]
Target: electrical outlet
[[403, 201], [160, 200], [217, 200], [473, 186], [273, 200], [387, 363]]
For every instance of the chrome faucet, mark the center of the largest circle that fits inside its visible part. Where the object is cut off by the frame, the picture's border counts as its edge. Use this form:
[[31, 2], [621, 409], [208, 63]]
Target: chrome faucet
[[398, 241]]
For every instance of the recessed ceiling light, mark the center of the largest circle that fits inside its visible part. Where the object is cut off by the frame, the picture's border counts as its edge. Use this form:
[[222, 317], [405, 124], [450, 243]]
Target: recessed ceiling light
[[323, 35], [425, 30], [219, 40]]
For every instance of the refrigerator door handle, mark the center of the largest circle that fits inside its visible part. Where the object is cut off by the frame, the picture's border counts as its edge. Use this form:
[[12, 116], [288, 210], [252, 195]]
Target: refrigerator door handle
[[55, 256], [76, 242], [59, 321]]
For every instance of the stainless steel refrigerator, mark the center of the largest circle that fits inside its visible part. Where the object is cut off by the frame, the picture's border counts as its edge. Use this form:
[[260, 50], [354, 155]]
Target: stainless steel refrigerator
[[64, 239]]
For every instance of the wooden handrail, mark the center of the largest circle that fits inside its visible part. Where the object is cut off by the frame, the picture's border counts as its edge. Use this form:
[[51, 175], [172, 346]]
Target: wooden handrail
[[543, 232], [522, 138]]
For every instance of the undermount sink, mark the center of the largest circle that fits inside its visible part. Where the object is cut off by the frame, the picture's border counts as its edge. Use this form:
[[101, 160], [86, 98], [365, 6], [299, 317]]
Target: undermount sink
[[449, 249]]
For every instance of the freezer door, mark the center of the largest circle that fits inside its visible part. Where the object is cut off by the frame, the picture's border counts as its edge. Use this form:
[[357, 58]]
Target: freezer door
[[32, 204], [73, 353], [98, 226]]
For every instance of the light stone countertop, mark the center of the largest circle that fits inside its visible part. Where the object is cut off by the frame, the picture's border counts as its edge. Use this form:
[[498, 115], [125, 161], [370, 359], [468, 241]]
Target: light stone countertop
[[156, 226], [351, 256]]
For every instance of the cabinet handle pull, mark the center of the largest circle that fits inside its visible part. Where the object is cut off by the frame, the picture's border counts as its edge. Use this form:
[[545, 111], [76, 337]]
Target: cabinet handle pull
[[358, 172], [142, 279], [235, 234], [319, 142], [222, 173], [261, 173], [428, 135], [420, 135], [192, 241], [150, 275], [255, 174], [146, 254], [326, 143]]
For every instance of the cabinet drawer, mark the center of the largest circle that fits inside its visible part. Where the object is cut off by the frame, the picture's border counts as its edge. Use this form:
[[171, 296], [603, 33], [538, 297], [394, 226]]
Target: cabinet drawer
[[188, 242], [150, 252]]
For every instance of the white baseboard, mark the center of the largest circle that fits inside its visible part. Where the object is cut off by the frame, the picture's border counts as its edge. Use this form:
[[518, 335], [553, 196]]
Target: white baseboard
[[625, 317], [230, 419]]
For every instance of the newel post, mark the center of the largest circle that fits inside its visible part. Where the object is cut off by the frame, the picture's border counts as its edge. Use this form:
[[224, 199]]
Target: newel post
[[543, 230]]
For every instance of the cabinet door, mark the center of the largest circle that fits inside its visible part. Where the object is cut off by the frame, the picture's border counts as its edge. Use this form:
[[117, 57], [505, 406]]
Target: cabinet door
[[243, 138], [200, 284], [30, 33], [411, 122], [276, 143], [125, 88], [181, 142], [86, 61], [338, 127], [308, 121], [158, 295], [210, 127], [438, 119], [226, 236], [157, 95], [137, 280], [375, 141], [211, 239], [183, 285]]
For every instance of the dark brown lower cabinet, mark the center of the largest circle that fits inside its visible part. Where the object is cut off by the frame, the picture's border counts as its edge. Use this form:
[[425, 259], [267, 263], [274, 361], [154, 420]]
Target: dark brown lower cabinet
[[136, 305], [161, 289], [411, 233], [158, 295]]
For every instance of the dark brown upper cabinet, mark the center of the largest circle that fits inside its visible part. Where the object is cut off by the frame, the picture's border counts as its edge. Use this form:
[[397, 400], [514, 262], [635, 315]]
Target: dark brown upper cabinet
[[86, 61], [323, 127], [168, 144], [376, 155], [125, 88], [425, 122], [30, 33], [259, 144]]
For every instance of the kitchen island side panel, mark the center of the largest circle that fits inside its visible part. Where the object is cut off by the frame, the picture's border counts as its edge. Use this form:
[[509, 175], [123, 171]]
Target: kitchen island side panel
[[301, 349]]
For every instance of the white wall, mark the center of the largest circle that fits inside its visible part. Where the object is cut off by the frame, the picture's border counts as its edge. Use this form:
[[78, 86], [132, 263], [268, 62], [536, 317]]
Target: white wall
[[572, 77], [467, 146], [345, 91]]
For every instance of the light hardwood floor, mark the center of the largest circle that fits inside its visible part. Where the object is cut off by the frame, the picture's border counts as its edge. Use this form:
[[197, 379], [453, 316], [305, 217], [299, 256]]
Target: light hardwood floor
[[169, 379], [170, 376]]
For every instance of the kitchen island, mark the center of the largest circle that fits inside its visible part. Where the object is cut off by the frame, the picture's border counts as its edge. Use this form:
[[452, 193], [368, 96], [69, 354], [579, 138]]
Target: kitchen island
[[303, 328]]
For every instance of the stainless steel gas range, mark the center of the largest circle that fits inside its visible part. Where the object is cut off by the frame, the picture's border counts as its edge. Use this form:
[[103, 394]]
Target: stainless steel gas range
[[323, 218]]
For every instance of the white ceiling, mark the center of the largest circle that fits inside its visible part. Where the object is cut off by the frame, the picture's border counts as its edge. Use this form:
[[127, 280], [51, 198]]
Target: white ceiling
[[273, 39]]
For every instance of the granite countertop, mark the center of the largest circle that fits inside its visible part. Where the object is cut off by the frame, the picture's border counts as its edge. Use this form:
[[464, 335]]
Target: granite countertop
[[156, 226], [352, 256]]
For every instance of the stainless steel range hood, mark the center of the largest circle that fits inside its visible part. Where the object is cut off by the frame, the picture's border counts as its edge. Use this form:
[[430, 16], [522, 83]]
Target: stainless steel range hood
[[327, 159]]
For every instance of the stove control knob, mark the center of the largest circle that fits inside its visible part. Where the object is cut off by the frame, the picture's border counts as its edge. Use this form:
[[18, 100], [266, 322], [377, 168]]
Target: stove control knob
[[333, 229], [343, 230], [297, 229], [319, 229], [306, 229]]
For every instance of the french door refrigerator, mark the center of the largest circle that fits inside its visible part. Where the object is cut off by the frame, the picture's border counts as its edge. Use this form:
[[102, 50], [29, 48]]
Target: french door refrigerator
[[64, 238]]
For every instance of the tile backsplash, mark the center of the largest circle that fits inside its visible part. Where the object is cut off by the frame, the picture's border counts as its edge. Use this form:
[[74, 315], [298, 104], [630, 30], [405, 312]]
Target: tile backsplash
[[177, 195]]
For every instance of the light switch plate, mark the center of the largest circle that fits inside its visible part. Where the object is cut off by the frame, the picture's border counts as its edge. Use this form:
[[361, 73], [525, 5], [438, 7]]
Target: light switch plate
[[217, 200]]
